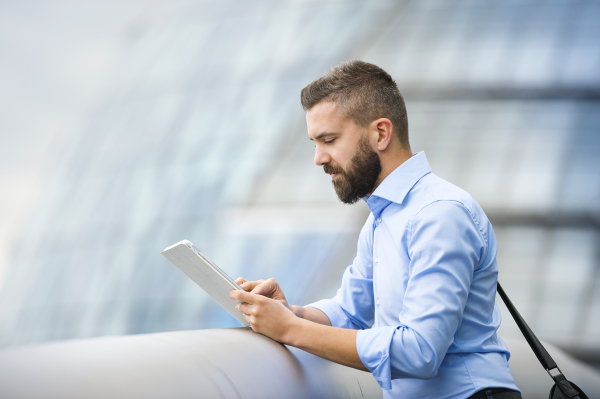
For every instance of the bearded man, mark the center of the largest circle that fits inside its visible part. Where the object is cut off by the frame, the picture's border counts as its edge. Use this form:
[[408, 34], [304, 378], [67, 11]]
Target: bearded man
[[417, 306]]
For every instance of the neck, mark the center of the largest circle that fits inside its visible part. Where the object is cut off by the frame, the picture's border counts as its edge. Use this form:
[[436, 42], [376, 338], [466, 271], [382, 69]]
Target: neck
[[389, 163]]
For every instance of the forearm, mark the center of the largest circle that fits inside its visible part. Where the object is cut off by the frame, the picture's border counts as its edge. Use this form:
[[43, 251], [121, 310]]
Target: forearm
[[291, 325], [331, 343], [312, 314]]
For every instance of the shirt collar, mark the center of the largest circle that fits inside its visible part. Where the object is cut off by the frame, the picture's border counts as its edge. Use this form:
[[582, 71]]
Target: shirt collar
[[397, 184]]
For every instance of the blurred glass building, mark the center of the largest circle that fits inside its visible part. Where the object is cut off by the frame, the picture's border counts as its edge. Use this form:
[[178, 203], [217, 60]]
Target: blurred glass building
[[200, 135]]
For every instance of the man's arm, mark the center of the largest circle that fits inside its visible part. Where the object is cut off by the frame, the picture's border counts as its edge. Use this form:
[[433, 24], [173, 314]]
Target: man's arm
[[445, 247], [273, 319], [313, 314]]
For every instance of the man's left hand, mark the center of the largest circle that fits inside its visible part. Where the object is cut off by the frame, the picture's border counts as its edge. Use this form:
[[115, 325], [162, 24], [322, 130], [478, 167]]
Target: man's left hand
[[266, 316]]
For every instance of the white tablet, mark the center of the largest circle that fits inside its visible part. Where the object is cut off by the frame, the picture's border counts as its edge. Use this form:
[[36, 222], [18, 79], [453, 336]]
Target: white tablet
[[206, 274]]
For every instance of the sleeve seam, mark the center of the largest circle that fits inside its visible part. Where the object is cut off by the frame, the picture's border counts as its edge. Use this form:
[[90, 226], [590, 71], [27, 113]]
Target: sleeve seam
[[475, 221]]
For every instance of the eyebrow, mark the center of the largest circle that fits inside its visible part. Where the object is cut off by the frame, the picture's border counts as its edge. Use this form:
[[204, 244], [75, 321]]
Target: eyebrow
[[324, 134]]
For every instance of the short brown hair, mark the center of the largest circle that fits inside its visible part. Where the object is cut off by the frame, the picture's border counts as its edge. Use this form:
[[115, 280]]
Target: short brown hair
[[364, 91]]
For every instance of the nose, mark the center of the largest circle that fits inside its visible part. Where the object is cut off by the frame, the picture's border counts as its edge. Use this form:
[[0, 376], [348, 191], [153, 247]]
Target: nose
[[321, 157]]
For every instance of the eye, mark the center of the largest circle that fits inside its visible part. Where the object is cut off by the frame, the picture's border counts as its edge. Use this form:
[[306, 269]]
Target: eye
[[330, 141]]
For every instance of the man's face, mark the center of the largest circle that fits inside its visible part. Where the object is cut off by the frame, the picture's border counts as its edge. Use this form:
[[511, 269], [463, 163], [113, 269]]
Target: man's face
[[344, 151]]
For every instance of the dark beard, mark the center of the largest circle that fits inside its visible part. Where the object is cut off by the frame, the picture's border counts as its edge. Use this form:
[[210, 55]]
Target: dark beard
[[361, 176]]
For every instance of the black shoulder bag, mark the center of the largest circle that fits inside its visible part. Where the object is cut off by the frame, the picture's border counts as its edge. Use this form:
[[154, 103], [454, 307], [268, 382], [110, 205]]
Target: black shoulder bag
[[562, 388]]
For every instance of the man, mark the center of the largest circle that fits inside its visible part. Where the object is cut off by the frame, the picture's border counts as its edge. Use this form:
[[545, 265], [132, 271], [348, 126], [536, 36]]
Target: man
[[417, 306]]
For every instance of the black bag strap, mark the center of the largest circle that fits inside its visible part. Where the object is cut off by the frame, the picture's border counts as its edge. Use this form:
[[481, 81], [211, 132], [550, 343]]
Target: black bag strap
[[539, 350], [541, 353]]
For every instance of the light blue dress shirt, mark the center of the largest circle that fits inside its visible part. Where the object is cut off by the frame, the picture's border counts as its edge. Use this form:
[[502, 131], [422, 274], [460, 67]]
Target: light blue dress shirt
[[422, 290]]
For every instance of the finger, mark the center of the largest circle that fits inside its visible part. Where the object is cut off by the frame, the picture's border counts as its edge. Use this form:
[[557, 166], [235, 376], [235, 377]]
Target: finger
[[244, 308], [245, 286], [243, 296], [240, 280], [267, 288], [250, 285], [250, 320]]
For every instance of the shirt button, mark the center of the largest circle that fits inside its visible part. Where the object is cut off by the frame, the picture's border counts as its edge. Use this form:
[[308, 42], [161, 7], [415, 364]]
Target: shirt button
[[379, 220], [376, 259], [378, 302]]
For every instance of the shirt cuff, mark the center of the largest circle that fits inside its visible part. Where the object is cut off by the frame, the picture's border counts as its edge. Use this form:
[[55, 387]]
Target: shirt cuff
[[373, 347], [333, 310]]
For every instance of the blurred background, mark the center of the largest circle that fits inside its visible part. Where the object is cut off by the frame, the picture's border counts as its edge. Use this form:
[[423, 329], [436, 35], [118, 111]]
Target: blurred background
[[128, 126]]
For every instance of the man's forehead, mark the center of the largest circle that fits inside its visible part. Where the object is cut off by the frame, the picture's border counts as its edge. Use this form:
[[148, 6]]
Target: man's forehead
[[325, 119], [324, 110]]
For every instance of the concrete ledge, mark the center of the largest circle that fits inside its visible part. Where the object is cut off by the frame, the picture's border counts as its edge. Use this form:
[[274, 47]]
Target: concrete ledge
[[221, 363]]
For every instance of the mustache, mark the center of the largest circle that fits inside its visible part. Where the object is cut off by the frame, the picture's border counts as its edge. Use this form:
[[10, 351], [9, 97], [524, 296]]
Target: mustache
[[331, 169]]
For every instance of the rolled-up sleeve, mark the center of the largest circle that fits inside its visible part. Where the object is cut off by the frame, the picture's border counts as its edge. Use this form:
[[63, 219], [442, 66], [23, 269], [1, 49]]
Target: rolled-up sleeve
[[445, 247], [353, 305]]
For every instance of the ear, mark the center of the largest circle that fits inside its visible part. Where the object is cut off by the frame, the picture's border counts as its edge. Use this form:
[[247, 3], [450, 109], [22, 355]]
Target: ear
[[385, 132]]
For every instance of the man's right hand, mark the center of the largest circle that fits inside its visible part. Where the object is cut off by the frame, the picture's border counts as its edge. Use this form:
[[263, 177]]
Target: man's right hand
[[268, 288], [271, 289]]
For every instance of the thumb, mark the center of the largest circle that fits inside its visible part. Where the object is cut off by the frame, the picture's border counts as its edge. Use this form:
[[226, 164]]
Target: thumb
[[267, 288]]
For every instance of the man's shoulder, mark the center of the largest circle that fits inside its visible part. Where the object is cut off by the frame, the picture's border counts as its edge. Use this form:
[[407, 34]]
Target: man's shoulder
[[432, 188], [444, 200]]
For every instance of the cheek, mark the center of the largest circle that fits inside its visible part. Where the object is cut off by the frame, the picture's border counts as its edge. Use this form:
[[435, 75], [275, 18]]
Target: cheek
[[337, 150], [342, 158]]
